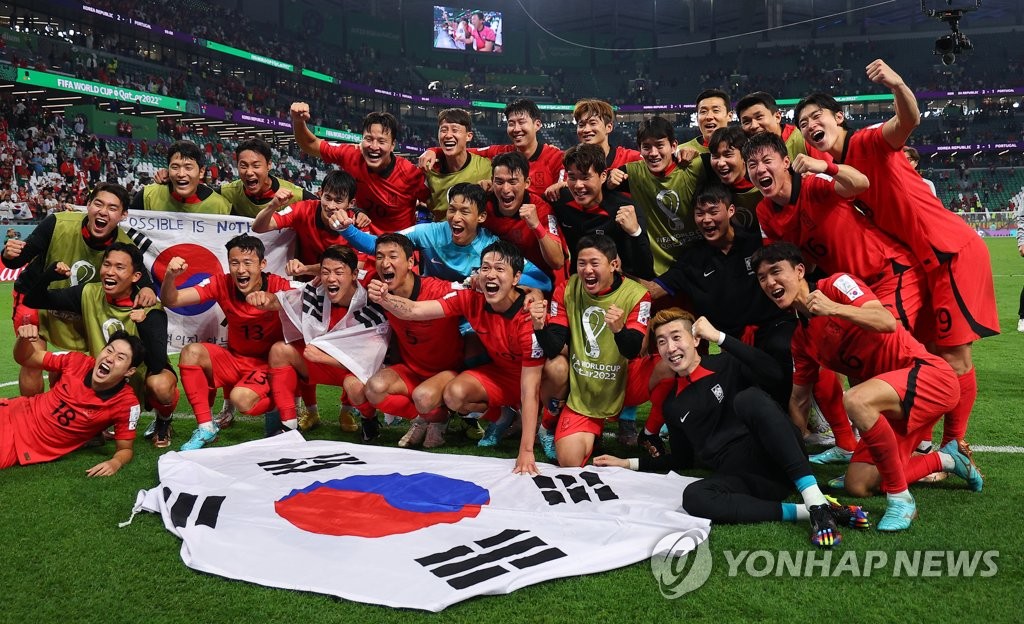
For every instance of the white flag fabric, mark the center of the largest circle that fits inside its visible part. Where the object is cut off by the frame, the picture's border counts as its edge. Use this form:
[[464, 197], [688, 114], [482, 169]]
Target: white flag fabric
[[200, 240], [405, 528]]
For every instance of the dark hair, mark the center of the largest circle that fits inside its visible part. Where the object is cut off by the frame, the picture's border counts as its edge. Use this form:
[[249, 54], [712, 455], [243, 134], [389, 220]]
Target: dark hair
[[472, 193], [776, 252], [912, 153], [339, 183], [386, 121], [188, 151], [341, 253], [138, 265], [755, 98], [600, 242], [584, 157], [655, 128], [712, 93], [523, 106], [514, 161], [247, 242], [764, 141], [733, 136], [116, 190], [822, 100], [714, 193], [137, 347], [507, 252], [257, 145], [396, 238], [479, 14], [456, 116]]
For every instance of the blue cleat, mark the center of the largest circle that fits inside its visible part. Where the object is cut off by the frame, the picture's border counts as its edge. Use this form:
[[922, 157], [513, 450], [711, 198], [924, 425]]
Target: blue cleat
[[832, 455], [899, 513], [839, 483], [200, 438], [496, 430], [963, 464], [547, 442]]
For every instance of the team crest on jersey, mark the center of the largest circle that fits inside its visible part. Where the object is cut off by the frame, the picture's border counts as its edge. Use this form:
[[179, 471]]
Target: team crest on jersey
[[848, 287], [717, 391], [643, 315]]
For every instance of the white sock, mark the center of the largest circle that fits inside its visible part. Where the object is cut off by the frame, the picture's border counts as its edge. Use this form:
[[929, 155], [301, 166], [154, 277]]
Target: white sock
[[904, 495], [208, 426], [290, 424], [812, 496], [802, 514], [947, 462]]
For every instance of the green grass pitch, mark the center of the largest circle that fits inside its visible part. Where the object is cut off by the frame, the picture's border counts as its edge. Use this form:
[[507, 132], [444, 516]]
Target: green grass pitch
[[64, 558]]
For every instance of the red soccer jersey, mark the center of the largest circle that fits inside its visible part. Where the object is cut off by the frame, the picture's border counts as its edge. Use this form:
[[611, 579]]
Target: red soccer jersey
[[900, 202], [846, 348], [312, 235], [637, 318], [251, 331], [507, 336], [52, 424], [429, 347], [388, 196], [515, 230], [620, 156], [830, 230], [545, 163]]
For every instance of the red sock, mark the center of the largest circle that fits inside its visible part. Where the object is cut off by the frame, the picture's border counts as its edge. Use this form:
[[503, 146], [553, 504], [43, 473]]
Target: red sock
[[920, 466], [366, 410], [881, 442], [283, 380], [399, 405], [308, 392], [954, 425], [165, 411], [438, 414], [828, 393], [197, 390], [265, 404]]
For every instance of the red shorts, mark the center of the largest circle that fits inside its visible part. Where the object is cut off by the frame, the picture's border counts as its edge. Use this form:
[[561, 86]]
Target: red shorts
[[8, 452], [22, 314], [900, 292], [325, 374], [638, 378], [927, 390], [238, 371], [501, 386], [963, 307], [409, 377]]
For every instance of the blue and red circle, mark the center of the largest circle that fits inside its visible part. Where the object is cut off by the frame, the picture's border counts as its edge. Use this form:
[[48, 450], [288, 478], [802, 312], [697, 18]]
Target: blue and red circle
[[202, 264]]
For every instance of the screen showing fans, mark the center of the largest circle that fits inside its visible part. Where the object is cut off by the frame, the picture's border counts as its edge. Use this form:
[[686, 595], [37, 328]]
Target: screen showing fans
[[472, 30]]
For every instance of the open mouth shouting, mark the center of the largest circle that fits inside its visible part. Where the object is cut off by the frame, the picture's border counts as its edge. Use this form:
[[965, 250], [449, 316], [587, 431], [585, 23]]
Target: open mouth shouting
[[252, 184], [459, 232], [449, 145], [373, 156], [491, 288]]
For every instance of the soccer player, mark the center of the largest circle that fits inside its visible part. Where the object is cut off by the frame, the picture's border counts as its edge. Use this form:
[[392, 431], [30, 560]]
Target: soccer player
[[92, 394], [585, 208], [454, 132], [242, 365], [522, 123], [184, 190], [661, 190], [334, 337], [899, 389], [712, 114], [518, 215], [389, 187], [513, 376], [601, 317], [430, 352], [759, 113], [725, 159], [255, 187], [718, 415], [107, 306], [954, 258], [79, 242]]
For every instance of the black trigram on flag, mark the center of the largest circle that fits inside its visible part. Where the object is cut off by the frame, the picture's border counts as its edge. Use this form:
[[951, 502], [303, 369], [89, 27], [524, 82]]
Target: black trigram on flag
[[312, 304], [287, 465], [587, 486], [185, 504], [141, 240], [482, 560]]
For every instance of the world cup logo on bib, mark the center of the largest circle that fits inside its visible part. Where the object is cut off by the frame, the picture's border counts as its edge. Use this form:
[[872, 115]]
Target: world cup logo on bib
[[82, 272], [668, 203], [593, 325]]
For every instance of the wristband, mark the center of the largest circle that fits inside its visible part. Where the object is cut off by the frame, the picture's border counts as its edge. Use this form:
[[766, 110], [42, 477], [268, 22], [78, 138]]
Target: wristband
[[721, 338], [540, 231], [832, 169], [634, 463]]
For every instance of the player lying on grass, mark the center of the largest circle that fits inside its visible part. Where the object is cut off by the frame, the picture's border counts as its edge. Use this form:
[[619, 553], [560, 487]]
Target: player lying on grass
[[92, 394], [718, 416]]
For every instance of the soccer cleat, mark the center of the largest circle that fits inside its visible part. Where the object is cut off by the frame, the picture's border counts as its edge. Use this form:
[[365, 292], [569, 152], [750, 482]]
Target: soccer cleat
[[838, 483], [899, 513], [496, 430], [200, 438], [370, 429], [1020, 325], [820, 438], [824, 532], [852, 516], [963, 464], [151, 429], [162, 431], [435, 435], [225, 417], [308, 420], [831, 455], [627, 434], [347, 421], [547, 442], [391, 420], [414, 436]]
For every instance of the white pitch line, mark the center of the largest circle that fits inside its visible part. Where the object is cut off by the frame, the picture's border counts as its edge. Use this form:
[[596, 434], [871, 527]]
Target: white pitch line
[[981, 448]]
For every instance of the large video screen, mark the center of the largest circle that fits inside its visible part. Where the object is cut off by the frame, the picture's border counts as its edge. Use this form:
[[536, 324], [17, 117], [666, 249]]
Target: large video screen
[[472, 30]]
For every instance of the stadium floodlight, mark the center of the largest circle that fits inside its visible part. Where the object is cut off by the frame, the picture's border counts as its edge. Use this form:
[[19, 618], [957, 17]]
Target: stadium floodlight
[[956, 42]]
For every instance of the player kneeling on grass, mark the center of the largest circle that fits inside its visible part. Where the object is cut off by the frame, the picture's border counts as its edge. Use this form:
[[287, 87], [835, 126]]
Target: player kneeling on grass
[[497, 314], [92, 394], [719, 416], [333, 337], [898, 389]]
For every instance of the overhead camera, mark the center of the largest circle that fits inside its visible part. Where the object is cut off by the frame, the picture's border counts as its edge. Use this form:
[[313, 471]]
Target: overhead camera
[[956, 42]]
